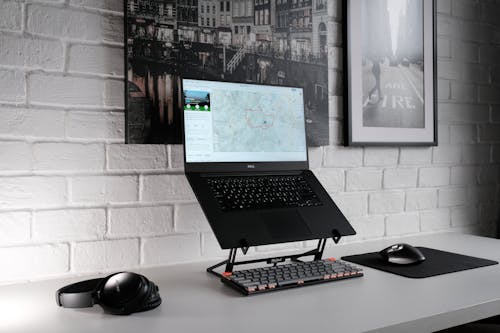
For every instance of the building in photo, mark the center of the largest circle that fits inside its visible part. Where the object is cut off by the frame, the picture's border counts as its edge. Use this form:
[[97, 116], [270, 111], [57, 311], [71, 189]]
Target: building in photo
[[320, 28], [264, 21], [243, 23], [207, 20], [187, 20]]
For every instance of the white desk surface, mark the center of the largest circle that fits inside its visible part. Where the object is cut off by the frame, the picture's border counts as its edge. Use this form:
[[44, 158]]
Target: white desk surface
[[194, 301]]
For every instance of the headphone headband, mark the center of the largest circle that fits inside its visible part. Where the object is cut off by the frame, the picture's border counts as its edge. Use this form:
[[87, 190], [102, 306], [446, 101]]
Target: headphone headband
[[78, 295]]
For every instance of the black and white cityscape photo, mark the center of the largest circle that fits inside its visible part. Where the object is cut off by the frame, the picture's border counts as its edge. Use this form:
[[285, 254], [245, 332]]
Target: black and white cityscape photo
[[393, 63], [272, 42]]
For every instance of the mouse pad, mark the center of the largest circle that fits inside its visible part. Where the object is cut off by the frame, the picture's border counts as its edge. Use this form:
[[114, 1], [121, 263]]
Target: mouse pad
[[437, 263]]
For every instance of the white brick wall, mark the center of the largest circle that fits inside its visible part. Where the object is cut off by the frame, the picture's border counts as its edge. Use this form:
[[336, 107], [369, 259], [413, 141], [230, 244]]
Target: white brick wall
[[165, 188], [105, 255], [99, 125], [23, 124], [386, 202], [74, 198], [69, 23], [135, 157], [15, 228], [74, 224], [331, 179], [19, 153], [421, 199], [32, 192], [68, 156], [363, 180], [434, 177], [175, 248], [368, 227], [88, 59], [400, 178], [381, 156], [434, 220], [34, 261], [64, 90], [352, 204], [140, 221], [11, 15], [13, 86], [190, 218], [104, 189], [30, 52], [402, 224]]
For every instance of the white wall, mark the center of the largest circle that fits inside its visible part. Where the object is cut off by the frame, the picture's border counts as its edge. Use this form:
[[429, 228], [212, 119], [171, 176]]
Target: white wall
[[74, 199]]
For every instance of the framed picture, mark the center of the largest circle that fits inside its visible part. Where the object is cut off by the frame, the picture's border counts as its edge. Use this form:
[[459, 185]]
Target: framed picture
[[269, 42], [390, 74]]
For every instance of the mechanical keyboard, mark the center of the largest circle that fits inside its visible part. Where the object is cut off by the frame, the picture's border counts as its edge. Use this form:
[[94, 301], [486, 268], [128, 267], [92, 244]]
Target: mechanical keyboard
[[258, 192], [292, 274]]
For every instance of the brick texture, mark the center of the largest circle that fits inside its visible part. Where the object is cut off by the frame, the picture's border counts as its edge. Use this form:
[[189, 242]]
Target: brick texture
[[104, 189], [89, 59], [31, 52], [11, 15], [100, 126], [63, 90], [13, 86], [15, 228], [68, 156], [19, 154], [29, 261], [105, 255], [134, 157], [140, 221], [175, 248], [23, 123], [75, 224], [30, 192]]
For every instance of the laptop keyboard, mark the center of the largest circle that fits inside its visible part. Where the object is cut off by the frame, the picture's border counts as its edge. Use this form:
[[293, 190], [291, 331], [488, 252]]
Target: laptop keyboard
[[294, 274], [260, 192]]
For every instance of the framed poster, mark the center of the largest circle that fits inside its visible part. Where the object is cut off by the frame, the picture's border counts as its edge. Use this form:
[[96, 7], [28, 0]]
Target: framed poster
[[390, 77], [271, 42]]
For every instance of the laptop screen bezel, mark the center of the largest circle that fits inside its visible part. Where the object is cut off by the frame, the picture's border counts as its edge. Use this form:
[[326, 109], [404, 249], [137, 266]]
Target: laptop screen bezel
[[248, 166]]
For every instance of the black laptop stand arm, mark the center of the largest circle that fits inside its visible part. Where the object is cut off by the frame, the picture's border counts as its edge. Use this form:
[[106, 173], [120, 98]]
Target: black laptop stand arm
[[231, 261]]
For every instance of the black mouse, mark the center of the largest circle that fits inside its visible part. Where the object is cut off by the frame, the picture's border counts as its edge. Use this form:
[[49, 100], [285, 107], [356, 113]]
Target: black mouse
[[402, 254]]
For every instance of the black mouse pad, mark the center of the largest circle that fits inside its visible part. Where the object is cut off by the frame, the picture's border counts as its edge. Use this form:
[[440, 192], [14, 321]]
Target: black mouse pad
[[437, 263]]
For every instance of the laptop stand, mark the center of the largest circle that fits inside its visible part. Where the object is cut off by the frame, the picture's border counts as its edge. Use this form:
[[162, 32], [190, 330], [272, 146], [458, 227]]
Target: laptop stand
[[231, 261]]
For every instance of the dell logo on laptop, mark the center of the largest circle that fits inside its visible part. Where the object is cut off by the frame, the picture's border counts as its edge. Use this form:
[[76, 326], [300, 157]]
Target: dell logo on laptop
[[251, 166]]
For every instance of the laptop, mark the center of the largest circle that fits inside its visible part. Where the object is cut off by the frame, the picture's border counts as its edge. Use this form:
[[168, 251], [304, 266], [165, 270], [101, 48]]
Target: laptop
[[246, 159]]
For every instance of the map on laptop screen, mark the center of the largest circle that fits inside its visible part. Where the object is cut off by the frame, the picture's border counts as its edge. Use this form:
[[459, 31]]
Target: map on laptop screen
[[234, 122]]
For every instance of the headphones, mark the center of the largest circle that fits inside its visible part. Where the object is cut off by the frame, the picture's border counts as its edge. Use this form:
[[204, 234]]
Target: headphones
[[120, 293]]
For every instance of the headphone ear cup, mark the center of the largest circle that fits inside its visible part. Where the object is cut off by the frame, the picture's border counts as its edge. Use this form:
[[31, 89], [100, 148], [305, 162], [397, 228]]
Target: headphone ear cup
[[124, 293], [153, 300]]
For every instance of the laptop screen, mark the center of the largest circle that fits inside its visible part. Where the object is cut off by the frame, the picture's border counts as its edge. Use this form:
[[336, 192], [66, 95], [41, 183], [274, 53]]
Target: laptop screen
[[237, 122]]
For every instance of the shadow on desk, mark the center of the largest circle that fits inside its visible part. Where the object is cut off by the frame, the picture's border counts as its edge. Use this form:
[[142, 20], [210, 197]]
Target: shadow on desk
[[489, 325]]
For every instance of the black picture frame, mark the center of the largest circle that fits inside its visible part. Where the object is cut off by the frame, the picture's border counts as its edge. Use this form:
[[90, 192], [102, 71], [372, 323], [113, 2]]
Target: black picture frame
[[376, 132]]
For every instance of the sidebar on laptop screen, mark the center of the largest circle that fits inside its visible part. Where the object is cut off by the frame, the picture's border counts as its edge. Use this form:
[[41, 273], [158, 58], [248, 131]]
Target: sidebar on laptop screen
[[236, 122]]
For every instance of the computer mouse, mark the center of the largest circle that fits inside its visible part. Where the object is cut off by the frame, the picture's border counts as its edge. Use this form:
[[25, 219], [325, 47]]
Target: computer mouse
[[402, 254]]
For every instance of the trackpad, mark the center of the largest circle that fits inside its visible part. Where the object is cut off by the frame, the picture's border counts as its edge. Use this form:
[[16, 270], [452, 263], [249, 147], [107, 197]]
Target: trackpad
[[285, 225]]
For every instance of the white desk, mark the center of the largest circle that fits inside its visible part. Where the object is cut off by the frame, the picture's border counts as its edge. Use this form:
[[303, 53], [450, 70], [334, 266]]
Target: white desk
[[194, 301]]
